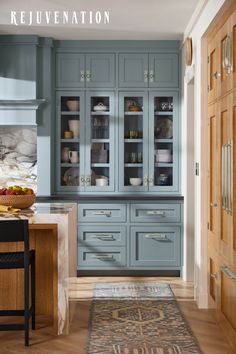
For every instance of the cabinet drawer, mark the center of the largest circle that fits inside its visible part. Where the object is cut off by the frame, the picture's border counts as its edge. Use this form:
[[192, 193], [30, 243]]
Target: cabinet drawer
[[99, 235], [102, 213], [155, 246], [108, 257], [156, 213]]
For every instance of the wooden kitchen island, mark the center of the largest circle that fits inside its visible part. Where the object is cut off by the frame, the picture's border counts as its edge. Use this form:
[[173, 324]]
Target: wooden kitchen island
[[53, 236]]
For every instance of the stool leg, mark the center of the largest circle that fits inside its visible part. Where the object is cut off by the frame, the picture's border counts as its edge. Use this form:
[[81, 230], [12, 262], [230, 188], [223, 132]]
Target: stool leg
[[26, 304], [33, 291]]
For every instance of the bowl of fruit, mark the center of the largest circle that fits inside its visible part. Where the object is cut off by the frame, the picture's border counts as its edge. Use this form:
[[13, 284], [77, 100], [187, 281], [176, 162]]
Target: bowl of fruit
[[17, 197]]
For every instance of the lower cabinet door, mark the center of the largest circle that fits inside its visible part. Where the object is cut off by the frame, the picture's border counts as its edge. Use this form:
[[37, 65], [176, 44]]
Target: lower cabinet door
[[228, 294], [154, 246], [102, 257]]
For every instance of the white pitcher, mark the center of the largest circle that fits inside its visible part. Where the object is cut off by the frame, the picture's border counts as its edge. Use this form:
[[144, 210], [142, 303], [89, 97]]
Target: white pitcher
[[74, 156], [74, 127]]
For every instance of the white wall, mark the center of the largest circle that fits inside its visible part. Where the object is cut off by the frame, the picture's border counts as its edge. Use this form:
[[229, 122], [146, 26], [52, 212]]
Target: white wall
[[200, 21]]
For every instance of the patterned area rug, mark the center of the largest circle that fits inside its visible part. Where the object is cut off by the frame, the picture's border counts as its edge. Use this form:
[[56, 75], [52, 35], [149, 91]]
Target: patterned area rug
[[133, 325]]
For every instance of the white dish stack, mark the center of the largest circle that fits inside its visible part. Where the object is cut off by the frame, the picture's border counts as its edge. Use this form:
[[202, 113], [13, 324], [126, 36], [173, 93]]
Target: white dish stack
[[163, 155]]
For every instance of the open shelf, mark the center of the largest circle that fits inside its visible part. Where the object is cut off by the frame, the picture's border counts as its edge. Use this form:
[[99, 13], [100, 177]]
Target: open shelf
[[102, 113], [133, 164], [133, 140], [74, 140], [69, 113], [69, 164], [138, 113]]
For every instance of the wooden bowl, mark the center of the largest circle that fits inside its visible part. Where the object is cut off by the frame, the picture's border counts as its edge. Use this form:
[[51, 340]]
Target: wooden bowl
[[18, 201]]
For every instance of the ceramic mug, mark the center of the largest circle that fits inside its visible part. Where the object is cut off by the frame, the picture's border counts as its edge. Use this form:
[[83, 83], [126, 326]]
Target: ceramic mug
[[74, 156]]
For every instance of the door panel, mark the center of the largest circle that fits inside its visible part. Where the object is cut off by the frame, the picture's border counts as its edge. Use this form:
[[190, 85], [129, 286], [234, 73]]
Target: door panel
[[163, 70], [100, 70], [133, 70], [70, 70]]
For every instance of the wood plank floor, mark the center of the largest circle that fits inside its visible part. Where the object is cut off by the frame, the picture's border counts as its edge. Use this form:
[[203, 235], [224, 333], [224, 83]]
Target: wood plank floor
[[42, 341]]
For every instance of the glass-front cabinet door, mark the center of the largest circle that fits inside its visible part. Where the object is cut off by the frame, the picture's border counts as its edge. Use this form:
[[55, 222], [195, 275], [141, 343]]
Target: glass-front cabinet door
[[70, 130], [133, 141], [100, 139], [163, 142]]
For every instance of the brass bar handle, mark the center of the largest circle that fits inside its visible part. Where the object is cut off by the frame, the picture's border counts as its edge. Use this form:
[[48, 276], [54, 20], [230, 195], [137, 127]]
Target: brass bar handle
[[230, 166], [151, 76], [156, 212], [88, 75], [103, 212], [158, 237], [228, 272], [145, 75], [104, 257], [214, 275], [82, 75], [223, 177]]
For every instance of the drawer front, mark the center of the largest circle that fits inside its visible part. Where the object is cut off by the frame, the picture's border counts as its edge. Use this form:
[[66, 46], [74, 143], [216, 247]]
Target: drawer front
[[105, 257], [155, 246], [102, 213], [99, 235], [156, 213]]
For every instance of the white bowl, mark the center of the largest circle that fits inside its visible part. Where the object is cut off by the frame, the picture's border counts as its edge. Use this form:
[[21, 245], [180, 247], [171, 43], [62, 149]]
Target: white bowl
[[135, 181], [101, 182]]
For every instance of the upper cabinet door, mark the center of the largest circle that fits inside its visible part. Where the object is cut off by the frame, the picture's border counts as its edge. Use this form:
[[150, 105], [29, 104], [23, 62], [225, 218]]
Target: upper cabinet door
[[163, 70], [133, 70], [100, 70], [70, 70]]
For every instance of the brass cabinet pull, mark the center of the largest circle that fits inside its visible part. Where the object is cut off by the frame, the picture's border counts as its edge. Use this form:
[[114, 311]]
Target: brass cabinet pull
[[103, 212], [88, 75], [151, 181], [156, 212], [145, 75], [214, 275], [82, 76], [158, 237], [82, 180], [228, 272], [88, 181], [145, 180], [104, 237], [151, 76], [103, 257]]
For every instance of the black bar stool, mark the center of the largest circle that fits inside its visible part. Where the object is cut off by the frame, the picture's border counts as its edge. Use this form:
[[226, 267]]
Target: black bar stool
[[16, 231]]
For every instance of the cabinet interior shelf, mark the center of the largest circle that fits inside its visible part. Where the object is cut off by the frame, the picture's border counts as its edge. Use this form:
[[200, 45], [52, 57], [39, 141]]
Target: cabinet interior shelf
[[163, 140], [163, 164], [69, 164], [100, 164], [138, 113], [133, 164], [74, 140], [102, 113], [100, 140], [164, 113], [68, 113], [133, 140]]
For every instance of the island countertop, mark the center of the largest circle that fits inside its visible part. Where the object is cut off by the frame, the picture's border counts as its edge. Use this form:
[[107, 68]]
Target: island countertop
[[53, 234]]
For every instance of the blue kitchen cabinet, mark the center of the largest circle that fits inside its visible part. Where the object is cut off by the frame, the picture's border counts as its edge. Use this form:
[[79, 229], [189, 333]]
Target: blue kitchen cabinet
[[85, 136], [163, 70], [133, 70], [70, 70], [100, 70], [157, 70], [149, 142], [76, 70]]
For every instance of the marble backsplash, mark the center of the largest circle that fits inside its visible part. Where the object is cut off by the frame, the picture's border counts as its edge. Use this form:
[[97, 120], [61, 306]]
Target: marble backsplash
[[18, 156]]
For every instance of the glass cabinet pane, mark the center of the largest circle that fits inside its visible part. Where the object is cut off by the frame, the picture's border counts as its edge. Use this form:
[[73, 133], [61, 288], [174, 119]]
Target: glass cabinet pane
[[163, 155], [132, 137], [69, 127], [101, 138]]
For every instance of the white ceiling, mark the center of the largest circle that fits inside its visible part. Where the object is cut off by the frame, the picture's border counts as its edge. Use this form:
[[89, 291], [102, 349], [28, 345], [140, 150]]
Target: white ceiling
[[129, 19]]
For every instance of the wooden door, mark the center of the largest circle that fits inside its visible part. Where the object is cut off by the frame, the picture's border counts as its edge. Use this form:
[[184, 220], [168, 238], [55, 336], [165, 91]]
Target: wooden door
[[225, 139], [133, 70], [213, 69], [225, 82], [233, 31]]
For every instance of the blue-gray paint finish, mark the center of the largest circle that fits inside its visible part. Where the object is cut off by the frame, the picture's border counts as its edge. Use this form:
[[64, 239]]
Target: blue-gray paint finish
[[175, 187], [130, 95], [157, 213], [108, 213], [155, 246], [165, 68], [69, 68], [100, 69], [102, 257], [101, 235], [132, 70]]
